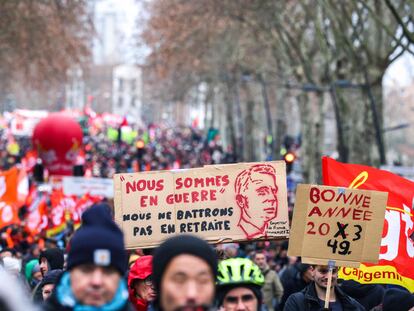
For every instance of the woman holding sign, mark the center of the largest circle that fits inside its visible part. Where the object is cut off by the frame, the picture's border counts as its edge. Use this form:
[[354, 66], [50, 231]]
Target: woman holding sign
[[312, 298]]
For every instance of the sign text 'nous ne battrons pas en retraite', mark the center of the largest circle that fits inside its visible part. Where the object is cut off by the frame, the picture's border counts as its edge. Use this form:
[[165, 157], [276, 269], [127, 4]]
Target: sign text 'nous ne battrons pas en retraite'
[[220, 203]]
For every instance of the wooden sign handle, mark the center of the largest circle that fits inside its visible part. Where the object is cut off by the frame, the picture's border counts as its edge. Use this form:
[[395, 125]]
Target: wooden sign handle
[[331, 265]]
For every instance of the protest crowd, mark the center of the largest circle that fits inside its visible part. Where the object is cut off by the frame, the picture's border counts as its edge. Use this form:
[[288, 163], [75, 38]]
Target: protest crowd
[[65, 252]]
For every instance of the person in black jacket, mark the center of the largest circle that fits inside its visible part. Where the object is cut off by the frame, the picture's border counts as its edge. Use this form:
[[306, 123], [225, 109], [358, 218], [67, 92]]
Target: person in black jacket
[[97, 262], [49, 259], [312, 298], [294, 279]]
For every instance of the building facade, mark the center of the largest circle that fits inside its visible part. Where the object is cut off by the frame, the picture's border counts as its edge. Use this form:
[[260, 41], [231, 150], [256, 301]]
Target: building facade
[[127, 92]]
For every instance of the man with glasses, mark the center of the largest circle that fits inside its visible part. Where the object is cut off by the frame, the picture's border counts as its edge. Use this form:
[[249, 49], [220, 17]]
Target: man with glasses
[[140, 286], [239, 283], [313, 296]]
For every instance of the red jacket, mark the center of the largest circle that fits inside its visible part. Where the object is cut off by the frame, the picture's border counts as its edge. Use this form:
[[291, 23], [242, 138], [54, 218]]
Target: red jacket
[[140, 270]]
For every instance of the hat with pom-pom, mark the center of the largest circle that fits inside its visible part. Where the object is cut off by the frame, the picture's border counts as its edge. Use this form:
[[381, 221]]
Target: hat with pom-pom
[[98, 241]]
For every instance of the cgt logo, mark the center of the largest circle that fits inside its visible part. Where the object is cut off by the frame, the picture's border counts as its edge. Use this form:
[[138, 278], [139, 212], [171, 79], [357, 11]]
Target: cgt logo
[[6, 212], [49, 156]]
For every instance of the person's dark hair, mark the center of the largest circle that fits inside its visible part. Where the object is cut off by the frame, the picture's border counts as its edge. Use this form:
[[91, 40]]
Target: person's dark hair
[[7, 249], [260, 252], [54, 257]]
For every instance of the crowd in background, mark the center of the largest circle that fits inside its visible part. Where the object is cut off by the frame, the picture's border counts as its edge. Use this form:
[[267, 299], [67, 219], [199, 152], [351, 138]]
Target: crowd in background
[[156, 148]]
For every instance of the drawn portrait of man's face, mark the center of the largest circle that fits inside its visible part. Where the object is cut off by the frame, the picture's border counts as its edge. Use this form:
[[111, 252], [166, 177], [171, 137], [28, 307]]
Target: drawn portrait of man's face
[[256, 196]]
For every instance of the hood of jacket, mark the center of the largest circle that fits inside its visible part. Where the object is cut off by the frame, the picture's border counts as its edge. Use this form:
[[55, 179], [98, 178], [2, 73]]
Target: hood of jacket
[[140, 270]]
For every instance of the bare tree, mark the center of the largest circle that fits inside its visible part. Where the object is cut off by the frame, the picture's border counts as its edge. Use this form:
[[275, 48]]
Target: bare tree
[[39, 40]]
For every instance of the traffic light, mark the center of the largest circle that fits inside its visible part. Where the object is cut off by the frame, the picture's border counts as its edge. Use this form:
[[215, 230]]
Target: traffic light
[[289, 158], [140, 144]]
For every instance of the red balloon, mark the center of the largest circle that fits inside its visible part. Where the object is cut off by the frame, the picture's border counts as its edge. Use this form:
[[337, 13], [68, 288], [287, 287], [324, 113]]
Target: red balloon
[[58, 140]]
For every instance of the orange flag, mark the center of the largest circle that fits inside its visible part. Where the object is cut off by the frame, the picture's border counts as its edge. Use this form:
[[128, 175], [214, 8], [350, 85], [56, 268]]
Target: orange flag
[[8, 185], [8, 214]]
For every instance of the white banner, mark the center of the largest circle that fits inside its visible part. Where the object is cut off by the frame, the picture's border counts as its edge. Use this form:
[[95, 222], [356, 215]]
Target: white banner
[[94, 186]]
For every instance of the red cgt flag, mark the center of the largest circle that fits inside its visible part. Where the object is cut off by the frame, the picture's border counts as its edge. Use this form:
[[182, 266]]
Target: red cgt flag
[[396, 257]]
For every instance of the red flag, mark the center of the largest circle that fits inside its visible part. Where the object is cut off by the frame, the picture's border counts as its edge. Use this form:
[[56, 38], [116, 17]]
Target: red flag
[[82, 204], [37, 219], [61, 205], [397, 247], [29, 160]]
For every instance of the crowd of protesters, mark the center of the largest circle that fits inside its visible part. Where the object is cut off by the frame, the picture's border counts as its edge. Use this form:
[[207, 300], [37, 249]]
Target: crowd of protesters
[[95, 272], [155, 147], [91, 270]]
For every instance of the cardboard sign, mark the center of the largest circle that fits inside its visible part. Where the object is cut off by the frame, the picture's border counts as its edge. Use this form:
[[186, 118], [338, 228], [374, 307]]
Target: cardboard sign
[[94, 186], [222, 203], [339, 224]]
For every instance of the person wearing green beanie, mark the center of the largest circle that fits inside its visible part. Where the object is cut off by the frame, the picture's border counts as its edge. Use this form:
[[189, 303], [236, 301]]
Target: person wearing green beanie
[[32, 273]]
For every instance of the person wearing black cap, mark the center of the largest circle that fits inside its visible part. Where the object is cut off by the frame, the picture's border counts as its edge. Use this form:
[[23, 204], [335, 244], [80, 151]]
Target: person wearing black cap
[[184, 273], [97, 262]]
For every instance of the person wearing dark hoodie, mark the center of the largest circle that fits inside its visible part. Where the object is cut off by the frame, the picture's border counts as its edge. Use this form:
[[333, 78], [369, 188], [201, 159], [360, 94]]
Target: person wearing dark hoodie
[[97, 263], [294, 279], [398, 299], [49, 259], [368, 295], [140, 286]]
